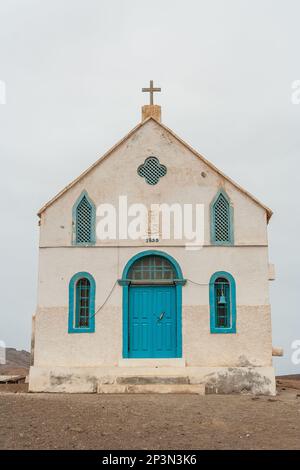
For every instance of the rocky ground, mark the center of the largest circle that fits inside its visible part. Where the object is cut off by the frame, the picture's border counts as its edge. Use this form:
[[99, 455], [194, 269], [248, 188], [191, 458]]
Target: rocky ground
[[57, 421]]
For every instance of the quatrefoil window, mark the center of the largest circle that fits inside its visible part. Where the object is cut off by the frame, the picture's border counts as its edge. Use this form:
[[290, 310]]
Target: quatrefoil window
[[152, 170]]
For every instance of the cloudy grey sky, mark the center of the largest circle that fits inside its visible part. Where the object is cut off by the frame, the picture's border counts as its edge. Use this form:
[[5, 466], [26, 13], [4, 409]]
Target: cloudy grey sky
[[73, 71]]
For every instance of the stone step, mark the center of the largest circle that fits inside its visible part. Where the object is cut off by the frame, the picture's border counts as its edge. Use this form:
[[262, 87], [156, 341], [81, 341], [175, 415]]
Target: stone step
[[198, 389], [152, 380]]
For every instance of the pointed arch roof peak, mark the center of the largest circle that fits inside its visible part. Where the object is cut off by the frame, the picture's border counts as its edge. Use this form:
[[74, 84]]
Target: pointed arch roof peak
[[176, 137]]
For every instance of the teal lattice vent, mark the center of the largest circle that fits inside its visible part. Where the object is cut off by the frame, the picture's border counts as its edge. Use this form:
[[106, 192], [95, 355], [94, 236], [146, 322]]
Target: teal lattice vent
[[84, 221], [222, 219], [152, 170]]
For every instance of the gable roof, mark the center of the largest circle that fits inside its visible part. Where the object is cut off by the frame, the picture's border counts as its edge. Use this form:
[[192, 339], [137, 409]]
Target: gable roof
[[127, 136]]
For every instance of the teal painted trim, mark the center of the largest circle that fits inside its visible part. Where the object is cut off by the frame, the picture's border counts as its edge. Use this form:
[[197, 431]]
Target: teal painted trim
[[178, 289], [123, 282], [126, 286], [72, 303], [180, 282], [127, 282], [74, 221], [212, 220], [212, 303], [125, 321]]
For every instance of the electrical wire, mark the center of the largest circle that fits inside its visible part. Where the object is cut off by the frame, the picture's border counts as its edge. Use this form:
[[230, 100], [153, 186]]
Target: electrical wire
[[198, 283], [101, 306], [116, 282]]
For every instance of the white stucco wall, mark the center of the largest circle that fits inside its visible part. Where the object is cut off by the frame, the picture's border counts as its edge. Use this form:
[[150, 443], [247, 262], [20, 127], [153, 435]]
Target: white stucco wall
[[183, 183], [248, 265], [247, 261]]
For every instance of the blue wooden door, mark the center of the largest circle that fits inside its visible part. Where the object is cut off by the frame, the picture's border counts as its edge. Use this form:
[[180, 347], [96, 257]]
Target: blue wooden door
[[152, 322]]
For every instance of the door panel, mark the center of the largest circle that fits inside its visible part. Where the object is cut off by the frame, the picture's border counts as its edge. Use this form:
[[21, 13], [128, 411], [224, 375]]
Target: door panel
[[152, 322], [164, 327], [139, 322]]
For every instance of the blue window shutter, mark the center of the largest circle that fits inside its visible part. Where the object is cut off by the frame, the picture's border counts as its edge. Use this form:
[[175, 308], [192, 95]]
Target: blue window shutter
[[84, 216], [221, 220]]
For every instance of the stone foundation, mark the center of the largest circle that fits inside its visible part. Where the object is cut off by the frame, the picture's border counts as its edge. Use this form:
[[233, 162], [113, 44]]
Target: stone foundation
[[147, 379]]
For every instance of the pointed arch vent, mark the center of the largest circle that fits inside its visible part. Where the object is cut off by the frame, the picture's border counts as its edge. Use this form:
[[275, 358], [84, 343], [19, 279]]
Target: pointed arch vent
[[84, 221], [221, 220]]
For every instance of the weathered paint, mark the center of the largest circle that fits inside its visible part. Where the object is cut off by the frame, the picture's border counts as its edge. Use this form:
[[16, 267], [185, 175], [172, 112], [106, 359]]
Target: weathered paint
[[203, 353], [255, 380]]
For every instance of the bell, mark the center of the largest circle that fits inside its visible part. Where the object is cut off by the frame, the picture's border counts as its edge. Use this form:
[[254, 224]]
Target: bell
[[222, 299]]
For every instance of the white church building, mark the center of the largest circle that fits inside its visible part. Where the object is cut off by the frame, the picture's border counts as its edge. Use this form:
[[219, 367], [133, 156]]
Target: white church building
[[153, 276]]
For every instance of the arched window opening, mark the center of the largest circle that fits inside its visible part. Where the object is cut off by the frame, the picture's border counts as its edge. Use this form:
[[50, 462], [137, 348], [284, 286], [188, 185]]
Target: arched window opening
[[82, 289], [222, 303], [154, 268], [83, 292], [222, 293]]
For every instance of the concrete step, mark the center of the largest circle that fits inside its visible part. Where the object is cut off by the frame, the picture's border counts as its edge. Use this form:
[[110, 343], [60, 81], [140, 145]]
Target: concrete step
[[151, 384], [198, 389], [152, 380]]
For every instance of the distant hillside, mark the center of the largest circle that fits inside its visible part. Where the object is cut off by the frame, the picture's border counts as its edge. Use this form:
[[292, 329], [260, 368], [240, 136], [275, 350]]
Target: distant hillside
[[288, 381], [289, 377], [17, 362]]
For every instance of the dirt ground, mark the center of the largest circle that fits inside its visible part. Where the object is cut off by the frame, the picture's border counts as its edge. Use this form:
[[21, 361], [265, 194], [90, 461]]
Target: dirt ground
[[58, 421]]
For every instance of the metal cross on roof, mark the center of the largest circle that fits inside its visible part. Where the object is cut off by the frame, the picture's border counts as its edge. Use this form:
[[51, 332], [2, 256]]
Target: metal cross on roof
[[151, 90]]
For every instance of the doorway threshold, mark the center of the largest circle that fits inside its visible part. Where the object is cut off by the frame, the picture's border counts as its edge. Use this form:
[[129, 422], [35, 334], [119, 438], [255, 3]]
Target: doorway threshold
[[152, 362]]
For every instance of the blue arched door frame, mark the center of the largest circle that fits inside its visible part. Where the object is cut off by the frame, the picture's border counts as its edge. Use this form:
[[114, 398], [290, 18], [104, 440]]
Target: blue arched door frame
[[125, 283]]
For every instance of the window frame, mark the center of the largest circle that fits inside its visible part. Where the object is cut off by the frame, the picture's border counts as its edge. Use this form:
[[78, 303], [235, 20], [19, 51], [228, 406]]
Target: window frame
[[213, 220], [154, 265], [79, 289], [213, 300], [72, 321], [93, 221]]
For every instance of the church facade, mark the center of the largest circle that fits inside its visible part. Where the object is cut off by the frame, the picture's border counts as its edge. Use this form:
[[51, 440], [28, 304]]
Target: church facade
[[132, 297]]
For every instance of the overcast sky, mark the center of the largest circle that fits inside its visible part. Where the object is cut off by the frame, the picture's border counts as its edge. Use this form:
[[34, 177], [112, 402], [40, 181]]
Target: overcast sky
[[74, 70]]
